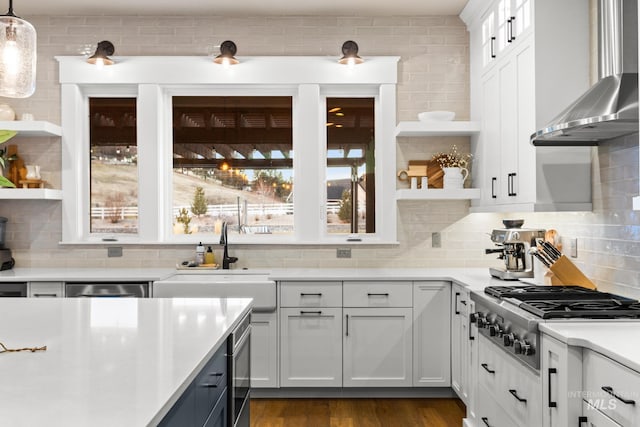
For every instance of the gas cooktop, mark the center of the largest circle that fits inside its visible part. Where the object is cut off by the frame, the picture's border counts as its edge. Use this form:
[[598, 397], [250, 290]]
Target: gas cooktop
[[553, 302]]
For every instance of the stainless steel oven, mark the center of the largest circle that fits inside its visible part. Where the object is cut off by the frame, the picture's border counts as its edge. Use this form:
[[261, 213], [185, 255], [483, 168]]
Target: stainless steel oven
[[107, 289], [239, 351]]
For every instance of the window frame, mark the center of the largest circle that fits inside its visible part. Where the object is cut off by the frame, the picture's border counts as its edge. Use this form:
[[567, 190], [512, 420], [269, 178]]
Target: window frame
[[376, 78]]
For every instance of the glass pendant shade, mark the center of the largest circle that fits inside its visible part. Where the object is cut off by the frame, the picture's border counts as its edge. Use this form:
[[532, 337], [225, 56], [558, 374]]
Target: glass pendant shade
[[17, 57]]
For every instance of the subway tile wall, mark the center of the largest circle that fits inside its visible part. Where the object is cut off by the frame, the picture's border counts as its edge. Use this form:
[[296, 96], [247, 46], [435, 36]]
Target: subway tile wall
[[433, 75]]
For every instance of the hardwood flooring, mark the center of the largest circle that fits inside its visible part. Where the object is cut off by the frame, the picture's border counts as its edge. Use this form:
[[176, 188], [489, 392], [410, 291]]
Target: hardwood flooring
[[356, 412]]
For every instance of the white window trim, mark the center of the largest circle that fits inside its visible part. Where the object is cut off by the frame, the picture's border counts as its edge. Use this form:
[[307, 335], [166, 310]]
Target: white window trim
[[153, 80]]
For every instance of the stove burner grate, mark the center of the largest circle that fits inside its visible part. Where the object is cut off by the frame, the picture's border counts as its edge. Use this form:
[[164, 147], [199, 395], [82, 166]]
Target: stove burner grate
[[588, 309]]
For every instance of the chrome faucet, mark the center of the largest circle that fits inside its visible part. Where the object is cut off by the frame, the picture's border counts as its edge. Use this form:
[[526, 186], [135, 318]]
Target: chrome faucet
[[226, 259]]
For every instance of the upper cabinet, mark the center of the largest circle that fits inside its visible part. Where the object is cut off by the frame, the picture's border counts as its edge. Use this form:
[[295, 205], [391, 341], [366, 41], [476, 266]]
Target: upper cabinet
[[529, 60]]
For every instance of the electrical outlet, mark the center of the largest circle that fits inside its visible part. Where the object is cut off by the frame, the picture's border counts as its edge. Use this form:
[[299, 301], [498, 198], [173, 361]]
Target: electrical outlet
[[343, 253], [114, 251], [573, 248], [436, 240]]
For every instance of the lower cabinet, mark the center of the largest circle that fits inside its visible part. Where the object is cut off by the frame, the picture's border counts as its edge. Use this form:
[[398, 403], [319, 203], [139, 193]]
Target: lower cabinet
[[204, 402], [311, 348], [595, 418], [463, 347], [377, 347], [264, 350], [431, 334]]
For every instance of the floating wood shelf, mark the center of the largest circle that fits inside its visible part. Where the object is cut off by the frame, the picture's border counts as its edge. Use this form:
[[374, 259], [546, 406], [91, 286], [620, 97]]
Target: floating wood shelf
[[438, 194]]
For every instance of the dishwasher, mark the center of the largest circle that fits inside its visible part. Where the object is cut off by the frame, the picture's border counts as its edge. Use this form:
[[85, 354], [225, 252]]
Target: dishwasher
[[107, 289]]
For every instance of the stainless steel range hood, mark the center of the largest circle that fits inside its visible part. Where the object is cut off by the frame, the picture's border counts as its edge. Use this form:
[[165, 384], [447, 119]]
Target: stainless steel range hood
[[609, 109]]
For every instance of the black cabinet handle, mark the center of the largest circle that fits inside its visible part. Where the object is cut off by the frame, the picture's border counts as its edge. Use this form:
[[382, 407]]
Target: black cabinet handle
[[302, 294], [378, 295], [485, 420], [310, 312], [455, 302], [463, 302], [508, 31], [514, 393], [609, 390], [511, 36], [486, 368], [549, 401], [493, 53], [511, 184], [45, 295], [581, 420], [493, 187], [217, 383], [347, 330]]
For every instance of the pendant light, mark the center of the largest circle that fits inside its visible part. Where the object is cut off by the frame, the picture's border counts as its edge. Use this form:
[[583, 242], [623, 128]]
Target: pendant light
[[17, 56]]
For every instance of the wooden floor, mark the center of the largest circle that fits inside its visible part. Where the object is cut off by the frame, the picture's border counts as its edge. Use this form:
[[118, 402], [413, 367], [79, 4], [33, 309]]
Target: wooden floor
[[356, 412]]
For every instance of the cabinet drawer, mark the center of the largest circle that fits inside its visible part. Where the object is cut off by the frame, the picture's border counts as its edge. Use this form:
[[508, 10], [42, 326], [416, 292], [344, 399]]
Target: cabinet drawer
[[378, 294], [45, 289], [311, 294], [611, 388], [209, 385]]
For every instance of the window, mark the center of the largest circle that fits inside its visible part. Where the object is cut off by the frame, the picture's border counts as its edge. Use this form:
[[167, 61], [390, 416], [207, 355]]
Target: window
[[351, 165], [232, 162], [113, 166], [175, 147]]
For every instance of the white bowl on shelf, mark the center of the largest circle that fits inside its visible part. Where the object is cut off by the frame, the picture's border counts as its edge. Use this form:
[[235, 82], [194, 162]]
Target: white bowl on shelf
[[436, 116]]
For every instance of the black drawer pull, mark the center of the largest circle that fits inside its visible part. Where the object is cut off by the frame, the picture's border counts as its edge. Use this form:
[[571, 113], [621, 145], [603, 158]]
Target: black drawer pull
[[514, 393], [45, 295], [486, 368], [302, 294], [455, 303], [582, 420], [549, 401], [217, 383], [310, 312], [485, 420], [379, 295], [609, 390], [463, 302]]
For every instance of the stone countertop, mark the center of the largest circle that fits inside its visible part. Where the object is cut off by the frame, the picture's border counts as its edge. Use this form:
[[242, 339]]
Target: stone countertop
[[109, 362], [84, 274], [615, 339]]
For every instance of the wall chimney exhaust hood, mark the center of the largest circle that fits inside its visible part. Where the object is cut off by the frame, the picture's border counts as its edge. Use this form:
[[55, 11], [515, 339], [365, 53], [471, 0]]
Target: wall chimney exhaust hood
[[609, 109]]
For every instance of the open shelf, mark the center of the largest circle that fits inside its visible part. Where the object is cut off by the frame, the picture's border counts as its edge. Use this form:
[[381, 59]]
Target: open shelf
[[443, 128], [438, 194], [35, 128], [30, 194]]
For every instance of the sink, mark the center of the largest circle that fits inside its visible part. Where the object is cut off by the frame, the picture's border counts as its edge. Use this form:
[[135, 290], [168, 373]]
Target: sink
[[220, 284]]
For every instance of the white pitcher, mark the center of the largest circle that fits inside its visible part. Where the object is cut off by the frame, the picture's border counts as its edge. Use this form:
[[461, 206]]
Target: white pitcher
[[454, 177], [33, 171]]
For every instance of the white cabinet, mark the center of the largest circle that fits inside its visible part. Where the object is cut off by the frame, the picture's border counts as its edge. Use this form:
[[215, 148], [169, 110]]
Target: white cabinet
[[431, 334], [377, 340], [45, 290], [595, 418], [377, 347], [311, 334], [561, 371], [264, 350], [463, 345], [517, 92]]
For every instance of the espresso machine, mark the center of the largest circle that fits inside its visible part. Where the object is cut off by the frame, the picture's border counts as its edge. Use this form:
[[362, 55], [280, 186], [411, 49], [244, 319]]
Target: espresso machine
[[513, 243], [6, 260]]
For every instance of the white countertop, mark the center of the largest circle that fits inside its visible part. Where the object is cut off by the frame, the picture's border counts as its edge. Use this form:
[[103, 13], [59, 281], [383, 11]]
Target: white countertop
[[614, 338], [109, 362], [84, 274]]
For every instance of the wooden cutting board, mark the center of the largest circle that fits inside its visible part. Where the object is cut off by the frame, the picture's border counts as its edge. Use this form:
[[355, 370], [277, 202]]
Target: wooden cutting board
[[434, 172]]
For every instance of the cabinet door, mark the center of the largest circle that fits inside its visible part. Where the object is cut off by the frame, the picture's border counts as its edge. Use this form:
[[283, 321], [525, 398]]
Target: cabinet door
[[219, 416], [431, 334], [490, 178], [264, 350], [470, 373], [45, 289], [377, 347], [456, 340], [525, 182], [311, 347], [508, 131], [561, 372]]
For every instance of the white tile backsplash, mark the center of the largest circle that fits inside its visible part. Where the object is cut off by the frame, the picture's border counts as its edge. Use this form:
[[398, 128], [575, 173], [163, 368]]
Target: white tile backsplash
[[433, 74]]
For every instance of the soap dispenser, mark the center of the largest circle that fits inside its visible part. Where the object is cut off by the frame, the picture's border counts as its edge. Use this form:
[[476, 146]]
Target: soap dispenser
[[199, 254], [209, 258]]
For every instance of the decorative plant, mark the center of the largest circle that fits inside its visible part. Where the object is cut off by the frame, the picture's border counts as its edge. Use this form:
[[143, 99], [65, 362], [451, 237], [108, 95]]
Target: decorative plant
[[6, 135], [453, 159], [184, 218]]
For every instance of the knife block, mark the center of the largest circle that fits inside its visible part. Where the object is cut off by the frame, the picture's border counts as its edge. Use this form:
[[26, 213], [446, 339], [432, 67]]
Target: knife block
[[566, 273]]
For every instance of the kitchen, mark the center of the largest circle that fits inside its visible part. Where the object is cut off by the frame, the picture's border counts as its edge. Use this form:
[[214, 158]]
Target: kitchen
[[433, 75]]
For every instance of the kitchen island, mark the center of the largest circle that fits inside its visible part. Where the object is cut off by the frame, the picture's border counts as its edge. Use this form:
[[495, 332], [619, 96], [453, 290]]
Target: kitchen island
[[108, 361]]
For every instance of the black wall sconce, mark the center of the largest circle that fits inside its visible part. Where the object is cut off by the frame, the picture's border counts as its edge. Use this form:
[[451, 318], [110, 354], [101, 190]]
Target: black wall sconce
[[228, 50], [101, 56], [350, 53]]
